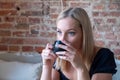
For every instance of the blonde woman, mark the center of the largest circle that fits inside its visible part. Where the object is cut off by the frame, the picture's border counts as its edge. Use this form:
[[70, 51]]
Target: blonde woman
[[82, 60]]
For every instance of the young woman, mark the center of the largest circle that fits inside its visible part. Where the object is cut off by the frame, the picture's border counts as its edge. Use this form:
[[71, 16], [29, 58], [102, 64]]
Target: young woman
[[82, 60]]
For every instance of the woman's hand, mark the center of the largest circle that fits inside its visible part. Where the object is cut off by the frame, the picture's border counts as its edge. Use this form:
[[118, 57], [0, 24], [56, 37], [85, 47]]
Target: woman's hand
[[48, 56], [72, 55]]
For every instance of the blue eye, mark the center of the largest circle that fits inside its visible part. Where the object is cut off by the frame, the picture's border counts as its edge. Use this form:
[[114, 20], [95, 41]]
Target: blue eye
[[71, 33]]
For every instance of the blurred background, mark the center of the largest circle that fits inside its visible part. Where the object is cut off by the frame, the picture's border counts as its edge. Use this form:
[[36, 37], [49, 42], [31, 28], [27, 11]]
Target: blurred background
[[27, 25]]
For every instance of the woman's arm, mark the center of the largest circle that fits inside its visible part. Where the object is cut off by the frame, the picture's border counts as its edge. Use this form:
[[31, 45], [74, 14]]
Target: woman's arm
[[55, 75], [83, 74], [48, 59], [49, 73], [46, 72], [102, 76]]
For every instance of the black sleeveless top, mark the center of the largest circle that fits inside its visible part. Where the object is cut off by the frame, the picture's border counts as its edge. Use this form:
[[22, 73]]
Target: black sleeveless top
[[103, 63]]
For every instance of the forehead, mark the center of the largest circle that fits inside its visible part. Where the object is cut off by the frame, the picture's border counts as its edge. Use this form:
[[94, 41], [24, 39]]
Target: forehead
[[68, 23]]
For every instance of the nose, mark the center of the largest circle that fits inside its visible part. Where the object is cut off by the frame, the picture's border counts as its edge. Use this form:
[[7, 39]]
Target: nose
[[63, 37]]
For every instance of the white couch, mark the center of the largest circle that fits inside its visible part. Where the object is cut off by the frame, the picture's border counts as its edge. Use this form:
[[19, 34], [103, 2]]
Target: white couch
[[27, 66], [117, 75], [20, 66]]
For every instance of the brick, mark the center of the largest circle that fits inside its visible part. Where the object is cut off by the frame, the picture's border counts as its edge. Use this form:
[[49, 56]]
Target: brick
[[98, 6], [22, 26], [20, 33], [54, 3], [25, 5], [118, 35], [18, 41], [117, 28], [21, 20], [37, 5], [80, 4], [45, 27], [4, 33], [100, 43], [115, 1], [27, 48], [114, 14], [113, 6], [111, 20], [34, 20], [4, 40], [96, 1], [95, 14], [8, 12], [50, 23], [39, 48], [35, 41], [97, 35], [71, 0], [53, 10], [117, 51], [3, 48], [33, 13], [31, 5], [98, 20], [34, 29], [14, 48], [110, 36], [7, 5], [9, 19], [34, 35], [0, 19], [104, 28], [54, 16], [104, 14], [6, 26], [113, 43], [48, 34]]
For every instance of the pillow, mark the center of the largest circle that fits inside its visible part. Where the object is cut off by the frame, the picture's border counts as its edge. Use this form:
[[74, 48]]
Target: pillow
[[117, 75], [20, 65], [26, 57], [14, 70]]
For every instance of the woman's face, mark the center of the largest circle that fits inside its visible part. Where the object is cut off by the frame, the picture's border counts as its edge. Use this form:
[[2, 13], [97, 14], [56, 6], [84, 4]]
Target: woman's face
[[69, 30]]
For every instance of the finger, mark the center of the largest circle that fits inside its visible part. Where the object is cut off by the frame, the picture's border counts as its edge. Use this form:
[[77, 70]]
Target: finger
[[48, 56], [53, 54], [46, 52], [64, 58], [47, 46], [61, 53], [67, 48], [68, 44]]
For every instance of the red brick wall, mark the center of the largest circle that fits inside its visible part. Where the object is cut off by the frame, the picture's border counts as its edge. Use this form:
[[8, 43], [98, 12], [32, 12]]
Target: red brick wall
[[27, 25]]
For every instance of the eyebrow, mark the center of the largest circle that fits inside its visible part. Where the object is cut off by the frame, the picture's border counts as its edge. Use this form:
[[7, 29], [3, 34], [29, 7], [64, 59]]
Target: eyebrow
[[68, 29]]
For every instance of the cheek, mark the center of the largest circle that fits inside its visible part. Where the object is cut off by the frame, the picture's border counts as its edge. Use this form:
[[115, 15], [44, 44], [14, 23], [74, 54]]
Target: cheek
[[77, 43]]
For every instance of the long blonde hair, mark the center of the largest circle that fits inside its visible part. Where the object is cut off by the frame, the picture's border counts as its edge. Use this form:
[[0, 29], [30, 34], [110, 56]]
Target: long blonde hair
[[82, 17]]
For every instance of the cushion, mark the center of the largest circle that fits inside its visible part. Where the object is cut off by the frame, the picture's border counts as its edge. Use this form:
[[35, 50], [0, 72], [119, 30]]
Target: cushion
[[19, 71], [20, 66], [117, 75], [21, 57]]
